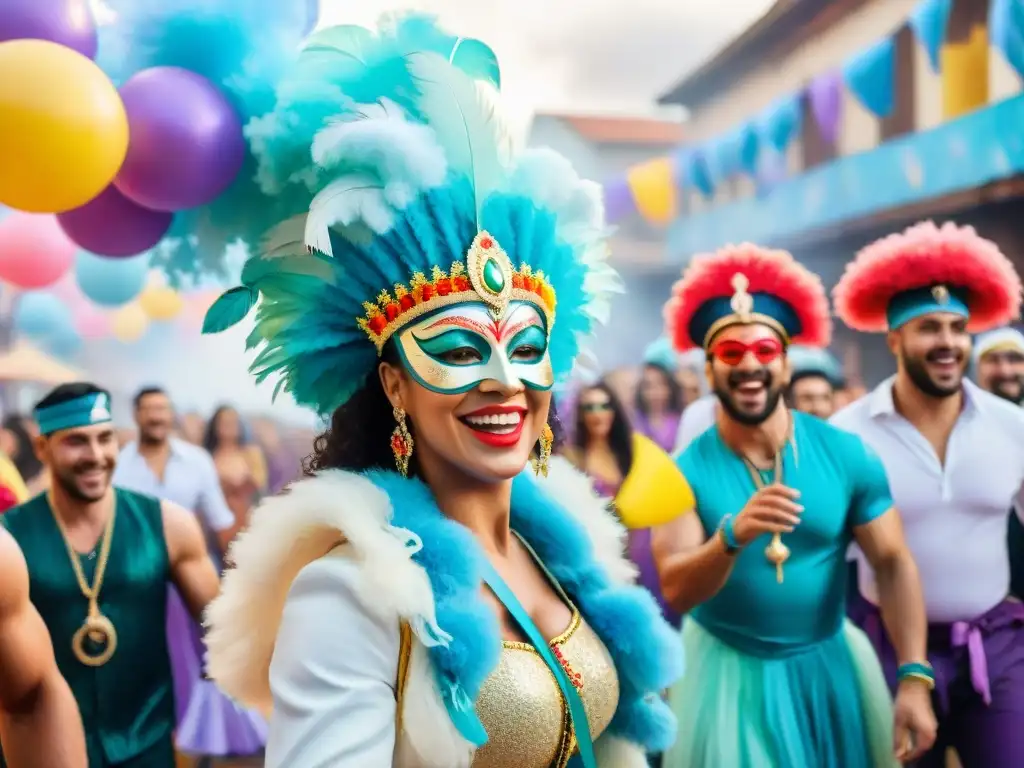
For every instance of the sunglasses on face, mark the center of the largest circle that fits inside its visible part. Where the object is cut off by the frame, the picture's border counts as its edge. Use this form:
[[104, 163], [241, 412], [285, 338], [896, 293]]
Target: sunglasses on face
[[596, 407], [732, 351]]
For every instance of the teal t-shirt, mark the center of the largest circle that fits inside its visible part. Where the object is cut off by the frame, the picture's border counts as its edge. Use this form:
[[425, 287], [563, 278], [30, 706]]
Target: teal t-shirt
[[842, 484]]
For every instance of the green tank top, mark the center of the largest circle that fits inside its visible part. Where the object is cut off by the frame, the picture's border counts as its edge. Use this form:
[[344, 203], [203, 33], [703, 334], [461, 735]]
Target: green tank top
[[127, 705]]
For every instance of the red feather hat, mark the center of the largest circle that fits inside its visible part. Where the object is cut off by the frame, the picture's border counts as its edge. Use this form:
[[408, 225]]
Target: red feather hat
[[747, 283], [928, 269]]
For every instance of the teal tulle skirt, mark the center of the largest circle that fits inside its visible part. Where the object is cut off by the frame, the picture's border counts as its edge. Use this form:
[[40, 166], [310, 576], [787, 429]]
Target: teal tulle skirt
[[828, 707]]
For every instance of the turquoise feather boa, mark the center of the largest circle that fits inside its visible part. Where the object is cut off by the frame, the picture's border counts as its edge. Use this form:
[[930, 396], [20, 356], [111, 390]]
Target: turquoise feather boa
[[644, 648]]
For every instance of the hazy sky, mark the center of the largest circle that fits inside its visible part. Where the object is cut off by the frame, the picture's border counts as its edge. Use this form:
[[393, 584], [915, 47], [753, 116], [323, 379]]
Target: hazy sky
[[584, 54]]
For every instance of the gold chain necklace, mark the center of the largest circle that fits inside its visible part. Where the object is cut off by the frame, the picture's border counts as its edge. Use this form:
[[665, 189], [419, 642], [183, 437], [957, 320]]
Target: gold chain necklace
[[96, 626], [776, 552]]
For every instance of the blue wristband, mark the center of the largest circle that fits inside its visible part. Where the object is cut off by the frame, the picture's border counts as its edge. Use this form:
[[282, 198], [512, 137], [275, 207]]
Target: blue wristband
[[916, 671], [728, 535]]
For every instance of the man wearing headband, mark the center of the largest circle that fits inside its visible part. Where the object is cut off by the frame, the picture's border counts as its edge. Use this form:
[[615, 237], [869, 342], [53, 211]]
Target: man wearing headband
[[955, 458], [39, 722], [99, 561], [775, 675], [816, 377]]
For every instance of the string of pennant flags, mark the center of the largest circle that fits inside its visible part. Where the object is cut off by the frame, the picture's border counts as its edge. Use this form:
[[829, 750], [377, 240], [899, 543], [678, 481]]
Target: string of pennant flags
[[756, 147]]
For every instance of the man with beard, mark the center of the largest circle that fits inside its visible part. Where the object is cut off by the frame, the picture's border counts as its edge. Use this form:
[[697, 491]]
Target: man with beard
[[39, 722], [775, 674], [954, 455], [99, 562]]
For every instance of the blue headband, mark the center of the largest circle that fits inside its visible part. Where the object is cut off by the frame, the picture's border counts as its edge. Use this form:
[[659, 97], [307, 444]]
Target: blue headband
[[904, 307], [766, 307], [84, 411]]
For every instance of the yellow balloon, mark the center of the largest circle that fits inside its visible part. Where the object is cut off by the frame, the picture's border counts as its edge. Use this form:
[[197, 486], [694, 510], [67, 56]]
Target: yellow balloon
[[655, 491], [130, 323], [160, 302], [63, 127]]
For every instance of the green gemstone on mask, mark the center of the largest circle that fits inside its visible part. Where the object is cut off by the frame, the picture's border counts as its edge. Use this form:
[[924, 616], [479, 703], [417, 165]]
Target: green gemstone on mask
[[494, 279]]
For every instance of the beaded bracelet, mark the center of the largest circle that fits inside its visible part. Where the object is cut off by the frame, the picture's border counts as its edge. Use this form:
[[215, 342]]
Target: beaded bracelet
[[916, 671]]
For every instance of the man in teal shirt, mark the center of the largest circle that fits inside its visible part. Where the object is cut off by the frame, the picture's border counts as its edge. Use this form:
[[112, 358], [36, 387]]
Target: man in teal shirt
[[776, 677], [99, 561]]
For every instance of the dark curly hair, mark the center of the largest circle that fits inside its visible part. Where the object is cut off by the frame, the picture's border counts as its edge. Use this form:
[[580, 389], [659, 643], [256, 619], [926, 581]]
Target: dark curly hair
[[358, 437]]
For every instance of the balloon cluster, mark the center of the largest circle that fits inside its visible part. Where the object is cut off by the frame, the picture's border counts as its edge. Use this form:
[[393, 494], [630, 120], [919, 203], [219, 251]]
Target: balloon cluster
[[123, 150], [149, 141]]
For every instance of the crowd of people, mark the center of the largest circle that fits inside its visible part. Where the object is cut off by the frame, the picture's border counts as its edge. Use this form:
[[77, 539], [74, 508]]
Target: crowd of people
[[450, 582]]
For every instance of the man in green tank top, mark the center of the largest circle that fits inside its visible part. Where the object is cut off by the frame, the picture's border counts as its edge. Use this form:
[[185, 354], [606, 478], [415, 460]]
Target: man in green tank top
[[39, 722], [99, 562]]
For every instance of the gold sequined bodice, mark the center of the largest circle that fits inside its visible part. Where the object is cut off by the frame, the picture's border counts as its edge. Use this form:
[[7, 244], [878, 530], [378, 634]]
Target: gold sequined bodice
[[521, 706]]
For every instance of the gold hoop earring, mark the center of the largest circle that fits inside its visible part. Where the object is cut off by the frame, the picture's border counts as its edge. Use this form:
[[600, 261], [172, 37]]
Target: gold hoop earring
[[546, 441], [401, 443]]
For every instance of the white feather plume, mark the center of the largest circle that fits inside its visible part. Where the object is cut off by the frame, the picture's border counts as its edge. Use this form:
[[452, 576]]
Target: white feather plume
[[346, 201]]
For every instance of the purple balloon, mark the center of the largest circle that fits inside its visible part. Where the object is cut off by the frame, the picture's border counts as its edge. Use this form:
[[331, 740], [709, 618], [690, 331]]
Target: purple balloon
[[112, 225], [66, 22], [186, 144]]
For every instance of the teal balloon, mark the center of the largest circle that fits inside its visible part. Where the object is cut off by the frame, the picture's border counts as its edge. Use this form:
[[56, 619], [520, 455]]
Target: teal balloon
[[63, 344], [40, 314], [111, 282]]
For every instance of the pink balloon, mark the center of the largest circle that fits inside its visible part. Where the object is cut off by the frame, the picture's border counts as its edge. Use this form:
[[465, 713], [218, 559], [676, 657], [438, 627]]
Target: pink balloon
[[91, 323], [34, 251]]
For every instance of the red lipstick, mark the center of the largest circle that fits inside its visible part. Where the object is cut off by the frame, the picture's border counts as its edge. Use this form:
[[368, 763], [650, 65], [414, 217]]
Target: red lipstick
[[484, 433]]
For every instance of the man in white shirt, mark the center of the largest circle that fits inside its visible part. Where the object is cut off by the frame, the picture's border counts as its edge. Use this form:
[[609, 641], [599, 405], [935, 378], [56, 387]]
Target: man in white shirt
[[954, 455]]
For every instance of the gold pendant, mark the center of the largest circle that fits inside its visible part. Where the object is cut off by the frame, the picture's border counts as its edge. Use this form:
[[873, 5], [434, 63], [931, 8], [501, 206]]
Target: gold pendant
[[99, 629], [777, 553]]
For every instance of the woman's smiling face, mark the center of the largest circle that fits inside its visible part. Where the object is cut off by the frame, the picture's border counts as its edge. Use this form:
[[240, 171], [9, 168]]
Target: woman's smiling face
[[476, 389]]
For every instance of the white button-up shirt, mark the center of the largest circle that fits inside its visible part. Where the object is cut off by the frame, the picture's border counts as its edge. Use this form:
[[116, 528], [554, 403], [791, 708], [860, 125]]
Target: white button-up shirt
[[955, 514], [190, 481]]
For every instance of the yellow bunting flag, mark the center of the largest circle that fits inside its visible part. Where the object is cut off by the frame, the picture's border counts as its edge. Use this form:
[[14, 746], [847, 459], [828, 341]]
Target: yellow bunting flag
[[965, 74], [654, 190]]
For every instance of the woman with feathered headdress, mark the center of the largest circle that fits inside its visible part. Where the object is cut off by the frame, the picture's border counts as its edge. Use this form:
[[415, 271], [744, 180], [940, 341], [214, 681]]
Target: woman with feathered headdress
[[425, 598]]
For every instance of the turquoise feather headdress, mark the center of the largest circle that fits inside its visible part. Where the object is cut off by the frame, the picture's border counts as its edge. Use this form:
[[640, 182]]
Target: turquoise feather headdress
[[394, 142]]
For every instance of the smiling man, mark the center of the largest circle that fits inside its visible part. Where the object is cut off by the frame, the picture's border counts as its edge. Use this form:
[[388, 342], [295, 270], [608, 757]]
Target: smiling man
[[99, 561], [954, 455], [775, 674]]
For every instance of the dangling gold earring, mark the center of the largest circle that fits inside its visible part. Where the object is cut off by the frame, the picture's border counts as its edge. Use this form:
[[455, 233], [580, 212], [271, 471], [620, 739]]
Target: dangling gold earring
[[546, 440], [401, 443]]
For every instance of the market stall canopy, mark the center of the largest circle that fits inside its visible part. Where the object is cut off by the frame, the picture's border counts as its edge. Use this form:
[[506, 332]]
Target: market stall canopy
[[25, 363]]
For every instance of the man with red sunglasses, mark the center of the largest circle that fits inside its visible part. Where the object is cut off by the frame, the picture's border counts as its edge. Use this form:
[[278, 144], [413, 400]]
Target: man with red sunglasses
[[954, 454], [775, 673]]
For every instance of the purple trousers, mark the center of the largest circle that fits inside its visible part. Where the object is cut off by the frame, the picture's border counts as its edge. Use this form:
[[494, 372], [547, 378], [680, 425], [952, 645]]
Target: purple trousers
[[979, 684]]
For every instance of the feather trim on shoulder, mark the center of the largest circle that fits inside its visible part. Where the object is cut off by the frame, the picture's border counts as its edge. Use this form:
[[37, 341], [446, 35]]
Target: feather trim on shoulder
[[286, 533]]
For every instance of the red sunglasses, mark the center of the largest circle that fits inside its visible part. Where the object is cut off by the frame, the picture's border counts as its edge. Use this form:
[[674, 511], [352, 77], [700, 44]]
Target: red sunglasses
[[732, 351]]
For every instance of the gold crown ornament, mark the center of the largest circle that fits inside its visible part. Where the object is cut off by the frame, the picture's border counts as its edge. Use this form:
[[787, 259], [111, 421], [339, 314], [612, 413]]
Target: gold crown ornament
[[485, 275]]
